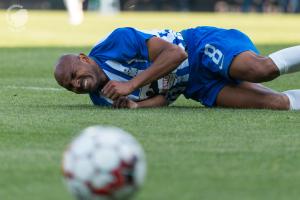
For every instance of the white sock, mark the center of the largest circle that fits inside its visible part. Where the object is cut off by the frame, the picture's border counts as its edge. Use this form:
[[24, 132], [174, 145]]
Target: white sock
[[294, 97], [287, 60]]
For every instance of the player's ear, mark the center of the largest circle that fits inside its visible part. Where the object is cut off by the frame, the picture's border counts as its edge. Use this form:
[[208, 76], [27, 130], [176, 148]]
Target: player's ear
[[84, 58]]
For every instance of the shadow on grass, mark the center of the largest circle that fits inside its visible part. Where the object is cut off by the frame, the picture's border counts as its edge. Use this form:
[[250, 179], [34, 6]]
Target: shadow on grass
[[71, 107], [174, 109], [92, 107]]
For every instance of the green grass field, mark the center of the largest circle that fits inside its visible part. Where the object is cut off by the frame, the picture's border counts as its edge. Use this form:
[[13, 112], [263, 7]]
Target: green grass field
[[193, 152]]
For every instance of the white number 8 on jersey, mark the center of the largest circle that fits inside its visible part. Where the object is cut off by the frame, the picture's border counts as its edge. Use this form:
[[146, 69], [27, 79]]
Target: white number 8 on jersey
[[215, 54]]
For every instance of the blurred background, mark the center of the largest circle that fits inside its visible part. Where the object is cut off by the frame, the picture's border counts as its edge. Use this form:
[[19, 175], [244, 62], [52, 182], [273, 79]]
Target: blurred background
[[291, 6], [52, 22]]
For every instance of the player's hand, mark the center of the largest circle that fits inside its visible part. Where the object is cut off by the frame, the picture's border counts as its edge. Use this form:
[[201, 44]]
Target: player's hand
[[124, 102], [116, 89]]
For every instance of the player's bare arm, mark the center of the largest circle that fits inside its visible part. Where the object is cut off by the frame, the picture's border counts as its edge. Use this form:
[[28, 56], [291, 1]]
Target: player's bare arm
[[165, 56], [125, 102]]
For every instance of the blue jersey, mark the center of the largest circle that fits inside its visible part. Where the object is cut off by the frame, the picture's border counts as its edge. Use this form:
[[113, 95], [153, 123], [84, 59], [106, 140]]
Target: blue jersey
[[124, 54]]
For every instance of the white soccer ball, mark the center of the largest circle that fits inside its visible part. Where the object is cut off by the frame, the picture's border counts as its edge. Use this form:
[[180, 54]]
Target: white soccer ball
[[104, 163]]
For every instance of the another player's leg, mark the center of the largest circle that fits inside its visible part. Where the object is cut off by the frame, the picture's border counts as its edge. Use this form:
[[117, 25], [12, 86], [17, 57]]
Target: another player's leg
[[75, 10], [251, 67], [253, 95]]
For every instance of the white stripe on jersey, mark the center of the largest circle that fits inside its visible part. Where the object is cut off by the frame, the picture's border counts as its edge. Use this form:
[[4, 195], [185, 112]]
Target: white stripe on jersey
[[114, 77], [132, 97], [119, 67], [137, 60], [181, 79], [184, 64], [170, 37], [106, 99]]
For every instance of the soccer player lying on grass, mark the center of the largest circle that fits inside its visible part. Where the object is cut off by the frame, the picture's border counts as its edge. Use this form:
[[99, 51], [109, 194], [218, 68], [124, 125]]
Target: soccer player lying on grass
[[217, 67]]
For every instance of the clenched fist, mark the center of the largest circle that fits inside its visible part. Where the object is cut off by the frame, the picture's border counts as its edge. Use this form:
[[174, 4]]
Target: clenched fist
[[116, 89]]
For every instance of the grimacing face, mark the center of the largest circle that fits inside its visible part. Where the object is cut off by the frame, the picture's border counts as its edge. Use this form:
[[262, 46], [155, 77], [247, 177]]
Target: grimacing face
[[78, 73]]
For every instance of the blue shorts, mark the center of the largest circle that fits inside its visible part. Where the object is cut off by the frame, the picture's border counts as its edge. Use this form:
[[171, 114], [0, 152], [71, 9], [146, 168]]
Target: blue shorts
[[211, 51]]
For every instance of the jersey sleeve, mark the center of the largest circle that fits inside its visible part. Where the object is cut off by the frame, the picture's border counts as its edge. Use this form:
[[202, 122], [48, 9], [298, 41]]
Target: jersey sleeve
[[99, 100], [122, 45]]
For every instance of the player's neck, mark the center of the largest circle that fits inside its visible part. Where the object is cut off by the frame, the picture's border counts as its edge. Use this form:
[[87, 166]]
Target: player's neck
[[102, 76]]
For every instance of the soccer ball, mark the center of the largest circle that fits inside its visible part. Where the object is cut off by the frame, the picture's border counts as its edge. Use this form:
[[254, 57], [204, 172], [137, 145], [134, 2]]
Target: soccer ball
[[104, 163]]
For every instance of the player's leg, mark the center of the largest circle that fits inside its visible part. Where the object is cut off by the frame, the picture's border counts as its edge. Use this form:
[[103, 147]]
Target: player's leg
[[75, 10], [85, 4], [252, 95], [251, 67]]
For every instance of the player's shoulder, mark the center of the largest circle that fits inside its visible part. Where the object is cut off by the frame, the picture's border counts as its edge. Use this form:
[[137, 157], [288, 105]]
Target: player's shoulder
[[120, 34], [133, 32], [114, 35], [123, 31]]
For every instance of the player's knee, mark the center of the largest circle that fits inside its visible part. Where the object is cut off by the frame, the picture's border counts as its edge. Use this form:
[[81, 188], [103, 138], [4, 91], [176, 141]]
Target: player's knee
[[262, 69], [277, 101]]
